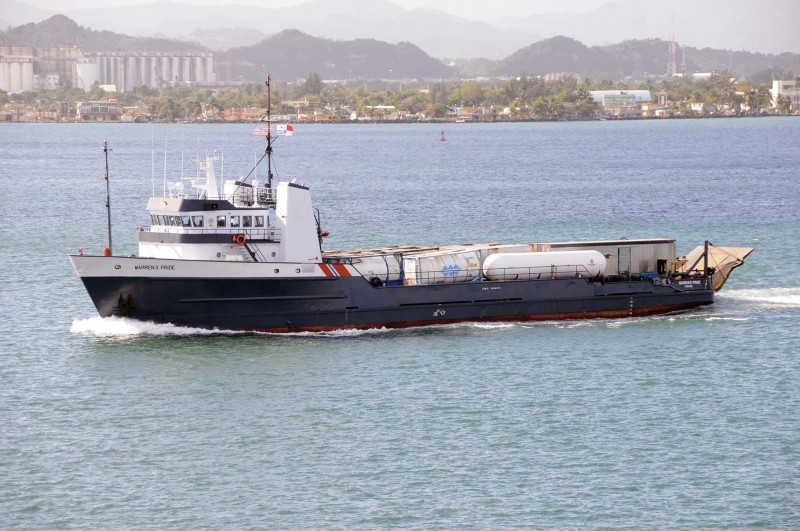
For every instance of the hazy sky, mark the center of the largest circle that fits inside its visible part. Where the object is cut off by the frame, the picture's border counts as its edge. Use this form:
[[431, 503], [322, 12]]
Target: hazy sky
[[476, 9]]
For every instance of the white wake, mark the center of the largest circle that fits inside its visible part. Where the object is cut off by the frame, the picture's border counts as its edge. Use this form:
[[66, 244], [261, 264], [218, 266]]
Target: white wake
[[771, 297], [123, 327]]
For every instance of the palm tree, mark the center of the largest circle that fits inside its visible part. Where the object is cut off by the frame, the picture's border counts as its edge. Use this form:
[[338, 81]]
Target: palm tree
[[784, 104], [763, 99], [752, 101]]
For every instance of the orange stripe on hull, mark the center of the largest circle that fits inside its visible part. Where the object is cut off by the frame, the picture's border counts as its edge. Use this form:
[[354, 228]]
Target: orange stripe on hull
[[341, 269], [326, 269]]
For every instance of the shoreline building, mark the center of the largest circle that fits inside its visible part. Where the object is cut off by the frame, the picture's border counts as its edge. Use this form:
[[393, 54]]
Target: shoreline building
[[787, 89], [155, 70], [622, 103], [34, 68]]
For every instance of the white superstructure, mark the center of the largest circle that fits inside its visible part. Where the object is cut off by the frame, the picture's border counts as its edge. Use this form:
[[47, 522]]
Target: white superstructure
[[246, 223]]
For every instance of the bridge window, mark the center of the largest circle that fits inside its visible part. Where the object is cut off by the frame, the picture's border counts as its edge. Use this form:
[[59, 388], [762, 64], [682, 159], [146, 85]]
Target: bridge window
[[234, 221], [247, 221], [153, 219], [160, 219], [259, 221], [220, 221]]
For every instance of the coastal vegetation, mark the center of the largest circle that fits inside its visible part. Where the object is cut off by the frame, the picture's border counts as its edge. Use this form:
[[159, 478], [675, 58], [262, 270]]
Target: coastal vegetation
[[520, 98]]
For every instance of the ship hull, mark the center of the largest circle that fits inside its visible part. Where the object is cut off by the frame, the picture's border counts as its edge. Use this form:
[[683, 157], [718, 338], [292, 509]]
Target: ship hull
[[233, 301]]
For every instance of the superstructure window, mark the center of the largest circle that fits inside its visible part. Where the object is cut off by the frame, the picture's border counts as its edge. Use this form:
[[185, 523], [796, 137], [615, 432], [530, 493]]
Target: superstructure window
[[197, 221], [186, 221], [160, 219], [259, 221], [220, 221], [247, 221], [234, 221]]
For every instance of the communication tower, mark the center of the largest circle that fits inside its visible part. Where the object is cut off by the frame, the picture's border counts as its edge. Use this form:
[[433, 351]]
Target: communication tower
[[671, 67]]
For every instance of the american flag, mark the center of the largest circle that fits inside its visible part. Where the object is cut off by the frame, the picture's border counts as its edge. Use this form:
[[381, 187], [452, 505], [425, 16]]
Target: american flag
[[284, 129]]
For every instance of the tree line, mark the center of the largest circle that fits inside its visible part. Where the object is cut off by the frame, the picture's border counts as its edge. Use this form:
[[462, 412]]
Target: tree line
[[526, 97]]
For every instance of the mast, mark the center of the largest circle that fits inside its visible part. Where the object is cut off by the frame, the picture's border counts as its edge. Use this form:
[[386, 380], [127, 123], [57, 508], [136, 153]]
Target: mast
[[269, 134], [108, 195]]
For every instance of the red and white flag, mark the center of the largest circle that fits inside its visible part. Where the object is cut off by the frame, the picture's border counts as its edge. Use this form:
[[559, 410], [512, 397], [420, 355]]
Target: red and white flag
[[264, 130]]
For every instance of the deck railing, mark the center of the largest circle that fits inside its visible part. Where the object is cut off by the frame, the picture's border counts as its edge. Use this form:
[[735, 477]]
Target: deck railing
[[260, 233]]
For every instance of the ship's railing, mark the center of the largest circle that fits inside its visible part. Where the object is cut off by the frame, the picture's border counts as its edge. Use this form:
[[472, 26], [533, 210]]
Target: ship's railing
[[266, 233], [265, 196], [243, 196]]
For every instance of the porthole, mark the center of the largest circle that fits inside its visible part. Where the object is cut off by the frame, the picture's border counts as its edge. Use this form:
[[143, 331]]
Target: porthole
[[273, 254], [297, 270], [219, 255], [277, 271]]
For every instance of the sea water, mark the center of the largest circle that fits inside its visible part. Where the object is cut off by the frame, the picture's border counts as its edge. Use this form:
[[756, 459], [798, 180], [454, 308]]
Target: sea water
[[689, 420]]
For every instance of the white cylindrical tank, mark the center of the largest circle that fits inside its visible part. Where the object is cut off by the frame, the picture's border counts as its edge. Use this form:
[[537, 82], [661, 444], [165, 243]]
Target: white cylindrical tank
[[535, 266], [384, 267], [441, 268]]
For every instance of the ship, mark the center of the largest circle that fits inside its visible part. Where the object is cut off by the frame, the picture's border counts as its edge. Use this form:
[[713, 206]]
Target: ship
[[249, 256]]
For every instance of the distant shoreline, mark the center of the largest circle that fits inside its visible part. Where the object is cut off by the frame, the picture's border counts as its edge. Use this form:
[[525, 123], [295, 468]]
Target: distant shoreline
[[410, 122]]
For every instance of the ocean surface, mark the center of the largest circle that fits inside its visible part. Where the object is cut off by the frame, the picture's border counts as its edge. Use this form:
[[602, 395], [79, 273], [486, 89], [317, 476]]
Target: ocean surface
[[684, 421]]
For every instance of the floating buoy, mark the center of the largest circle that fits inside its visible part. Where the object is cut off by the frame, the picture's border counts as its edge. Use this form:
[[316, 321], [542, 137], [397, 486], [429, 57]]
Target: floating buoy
[[324, 234], [106, 251]]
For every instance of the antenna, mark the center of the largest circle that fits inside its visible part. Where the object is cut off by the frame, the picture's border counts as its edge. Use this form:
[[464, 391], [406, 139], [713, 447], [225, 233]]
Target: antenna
[[268, 152], [165, 166], [108, 197], [269, 134], [153, 161], [671, 67], [683, 59]]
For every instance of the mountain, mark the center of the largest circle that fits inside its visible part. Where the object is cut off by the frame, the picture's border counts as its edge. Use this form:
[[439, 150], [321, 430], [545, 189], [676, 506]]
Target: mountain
[[292, 54], [438, 33], [557, 54], [219, 38], [763, 26], [634, 58], [60, 30]]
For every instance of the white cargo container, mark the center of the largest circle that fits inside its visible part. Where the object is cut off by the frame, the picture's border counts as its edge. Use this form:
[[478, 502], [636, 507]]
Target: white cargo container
[[628, 256], [441, 268]]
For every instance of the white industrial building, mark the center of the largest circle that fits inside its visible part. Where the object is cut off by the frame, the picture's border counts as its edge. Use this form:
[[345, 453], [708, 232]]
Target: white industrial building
[[36, 67], [44, 67], [152, 69]]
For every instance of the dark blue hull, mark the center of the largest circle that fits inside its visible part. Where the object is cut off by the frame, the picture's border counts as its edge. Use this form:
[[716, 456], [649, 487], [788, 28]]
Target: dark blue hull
[[319, 304]]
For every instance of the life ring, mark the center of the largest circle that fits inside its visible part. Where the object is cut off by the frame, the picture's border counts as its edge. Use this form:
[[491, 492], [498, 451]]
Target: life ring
[[240, 239]]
